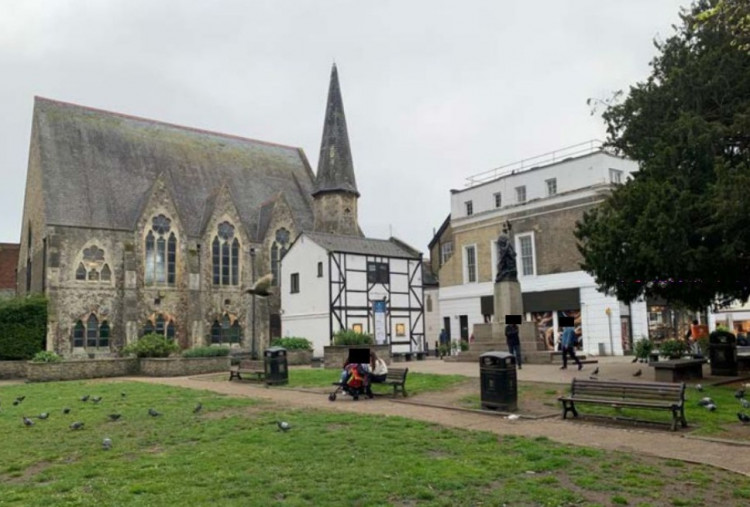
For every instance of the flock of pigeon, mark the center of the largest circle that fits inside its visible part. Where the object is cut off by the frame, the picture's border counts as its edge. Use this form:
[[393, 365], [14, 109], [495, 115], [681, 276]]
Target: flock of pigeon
[[706, 402], [79, 425]]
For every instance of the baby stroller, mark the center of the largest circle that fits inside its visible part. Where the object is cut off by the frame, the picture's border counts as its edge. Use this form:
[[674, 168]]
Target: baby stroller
[[355, 384]]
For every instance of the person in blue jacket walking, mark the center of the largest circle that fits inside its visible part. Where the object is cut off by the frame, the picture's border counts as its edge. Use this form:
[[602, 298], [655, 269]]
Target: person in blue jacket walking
[[569, 347]]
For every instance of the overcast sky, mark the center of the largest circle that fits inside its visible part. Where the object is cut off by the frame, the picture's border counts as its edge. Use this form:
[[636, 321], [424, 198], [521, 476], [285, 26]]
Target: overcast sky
[[434, 91]]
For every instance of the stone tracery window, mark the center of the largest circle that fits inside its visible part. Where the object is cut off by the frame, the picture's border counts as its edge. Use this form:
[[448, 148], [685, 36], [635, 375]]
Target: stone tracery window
[[225, 254], [226, 330], [91, 335], [160, 324], [161, 252], [93, 268], [278, 249]]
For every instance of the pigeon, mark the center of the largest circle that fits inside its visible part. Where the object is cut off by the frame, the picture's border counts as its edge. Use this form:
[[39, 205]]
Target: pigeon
[[739, 394], [711, 407], [114, 417], [107, 444], [27, 421], [198, 408], [43, 415], [20, 399], [705, 401], [96, 399], [745, 403], [260, 288], [122, 395], [596, 371], [513, 417], [76, 425], [699, 388], [66, 410], [283, 426], [85, 398], [744, 418], [15, 403], [638, 373], [635, 359], [153, 413]]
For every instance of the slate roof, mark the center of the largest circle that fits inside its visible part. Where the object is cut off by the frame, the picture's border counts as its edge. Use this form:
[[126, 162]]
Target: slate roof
[[335, 166], [98, 168], [365, 246]]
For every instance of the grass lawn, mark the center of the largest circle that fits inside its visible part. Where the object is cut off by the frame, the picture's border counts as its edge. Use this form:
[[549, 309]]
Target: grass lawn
[[415, 382], [231, 453]]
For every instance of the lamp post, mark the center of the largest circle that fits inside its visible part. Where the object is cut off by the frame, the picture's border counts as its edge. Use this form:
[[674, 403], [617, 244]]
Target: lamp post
[[608, 311], [253, 350]]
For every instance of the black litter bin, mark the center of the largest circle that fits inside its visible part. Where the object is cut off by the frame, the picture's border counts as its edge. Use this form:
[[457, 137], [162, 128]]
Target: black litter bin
[[722, 352], [275, 364], [497, 372]]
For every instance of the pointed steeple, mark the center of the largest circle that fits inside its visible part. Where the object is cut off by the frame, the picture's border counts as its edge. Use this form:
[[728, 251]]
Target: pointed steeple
[[335, 167]]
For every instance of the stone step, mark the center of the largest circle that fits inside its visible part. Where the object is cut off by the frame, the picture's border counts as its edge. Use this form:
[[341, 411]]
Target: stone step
[[556, 358]]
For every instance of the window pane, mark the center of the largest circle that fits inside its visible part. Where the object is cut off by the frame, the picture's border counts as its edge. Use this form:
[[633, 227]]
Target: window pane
[[161, 253], [106, 273], [78, 332], [171, 258], [93, 275], [235, 262], [216, 260], [104, 335], [80, 272], [148, 328], [160, 324], [236, 333], [170, 330], [225, 264], [149, 259], [215, 333], [471, 264], [92, 331], [527, 255]]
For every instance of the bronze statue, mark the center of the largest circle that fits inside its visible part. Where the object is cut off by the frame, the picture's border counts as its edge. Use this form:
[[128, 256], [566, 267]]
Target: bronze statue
[[506, 257]]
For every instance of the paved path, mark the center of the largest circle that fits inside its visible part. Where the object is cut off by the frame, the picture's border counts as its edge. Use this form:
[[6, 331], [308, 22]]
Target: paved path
[[661, 443]]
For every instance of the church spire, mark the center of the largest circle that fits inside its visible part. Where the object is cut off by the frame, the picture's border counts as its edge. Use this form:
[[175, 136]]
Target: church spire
[[335, 167]]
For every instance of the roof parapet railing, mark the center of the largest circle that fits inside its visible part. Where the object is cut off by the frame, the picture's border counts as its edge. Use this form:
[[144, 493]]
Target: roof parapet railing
[[575, 150]]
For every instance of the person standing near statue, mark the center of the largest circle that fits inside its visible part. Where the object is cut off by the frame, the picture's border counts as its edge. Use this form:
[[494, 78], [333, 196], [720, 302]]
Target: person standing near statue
[[569, 347], [514, 342]]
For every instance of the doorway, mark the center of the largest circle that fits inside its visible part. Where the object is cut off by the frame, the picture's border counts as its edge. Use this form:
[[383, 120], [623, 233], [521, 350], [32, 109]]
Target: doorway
[[447, 327], [463, 322]]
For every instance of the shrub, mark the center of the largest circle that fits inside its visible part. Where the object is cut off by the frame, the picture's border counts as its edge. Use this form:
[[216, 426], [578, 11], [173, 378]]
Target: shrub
[[672, 348], [23, 327], [349, 337], [643, 348], [152, 345], [292, 343], [206, 352], [464, 346], [46, 356]]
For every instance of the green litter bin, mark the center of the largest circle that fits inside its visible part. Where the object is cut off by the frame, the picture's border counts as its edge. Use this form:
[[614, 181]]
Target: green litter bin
[[276, 366], [497, 374]]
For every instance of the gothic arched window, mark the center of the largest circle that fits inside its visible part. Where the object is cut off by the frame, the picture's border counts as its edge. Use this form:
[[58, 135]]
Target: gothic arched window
[[160, 324], [226, 330], [225, 254], [92, 335], [92, 331], [78, 333], [278, 249], [92, 267], [161, 252], [81, 272]]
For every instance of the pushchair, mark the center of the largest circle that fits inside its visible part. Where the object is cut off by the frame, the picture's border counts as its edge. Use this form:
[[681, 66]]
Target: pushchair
[[355, 384]]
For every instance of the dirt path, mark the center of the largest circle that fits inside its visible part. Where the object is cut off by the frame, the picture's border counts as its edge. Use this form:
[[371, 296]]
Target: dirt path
[[658, 443]]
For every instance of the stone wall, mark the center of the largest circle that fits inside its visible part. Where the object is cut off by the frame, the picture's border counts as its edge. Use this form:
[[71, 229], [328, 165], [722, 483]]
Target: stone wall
[[296, 357], [12, 369], [74, 370], [179, 366], [335, 355]]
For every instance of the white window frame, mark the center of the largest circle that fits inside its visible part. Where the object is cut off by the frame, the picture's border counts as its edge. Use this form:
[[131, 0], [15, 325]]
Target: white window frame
[[493, 257], [551, 186], [469, 208], [519, 190], [615, 176], [294, 283], [497, 199], [443, 258], [466, 263], [519, 254]]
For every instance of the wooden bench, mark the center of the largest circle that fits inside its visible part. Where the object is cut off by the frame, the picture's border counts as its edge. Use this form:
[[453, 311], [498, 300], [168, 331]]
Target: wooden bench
[[646, 395], [396, 377], [677, 370], [249, 367]]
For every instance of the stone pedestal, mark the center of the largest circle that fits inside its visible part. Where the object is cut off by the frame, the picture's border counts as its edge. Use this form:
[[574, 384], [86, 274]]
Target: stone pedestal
[[508, 300]]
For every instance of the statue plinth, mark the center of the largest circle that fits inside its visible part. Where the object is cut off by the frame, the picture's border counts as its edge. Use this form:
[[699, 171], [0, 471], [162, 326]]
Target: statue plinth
[[508, 300]]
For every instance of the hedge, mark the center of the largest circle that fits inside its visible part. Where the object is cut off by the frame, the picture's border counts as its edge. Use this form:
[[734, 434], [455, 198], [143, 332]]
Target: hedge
[[23, 327]]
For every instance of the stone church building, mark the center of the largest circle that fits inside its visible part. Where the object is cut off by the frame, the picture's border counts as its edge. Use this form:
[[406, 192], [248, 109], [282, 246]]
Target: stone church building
[[132, 226]]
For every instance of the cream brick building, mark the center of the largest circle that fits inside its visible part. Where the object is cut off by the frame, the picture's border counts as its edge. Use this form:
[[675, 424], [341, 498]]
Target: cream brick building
[[542, 198]]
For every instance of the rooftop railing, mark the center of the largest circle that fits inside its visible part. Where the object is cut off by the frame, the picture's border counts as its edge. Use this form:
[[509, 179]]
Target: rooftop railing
[[575, 150]]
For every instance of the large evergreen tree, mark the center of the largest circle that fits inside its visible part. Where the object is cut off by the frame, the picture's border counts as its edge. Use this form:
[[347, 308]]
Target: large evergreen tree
[[680, 229]]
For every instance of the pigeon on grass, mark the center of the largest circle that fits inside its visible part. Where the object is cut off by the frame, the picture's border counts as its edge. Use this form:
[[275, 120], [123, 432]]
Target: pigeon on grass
[[107, 444], [745, 403], [711, 407], [283, 426], [16, 403], [77, 425], [153, 413], [27, 421], [114, 417], [739, 394], [85, 398], [96, 399], [744, 418], [43, 415], [699, 388], [198, 408], [703, 402], [66, 410]]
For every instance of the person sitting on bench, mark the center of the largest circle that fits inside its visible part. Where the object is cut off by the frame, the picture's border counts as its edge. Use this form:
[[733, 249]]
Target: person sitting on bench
[[378, 371]]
